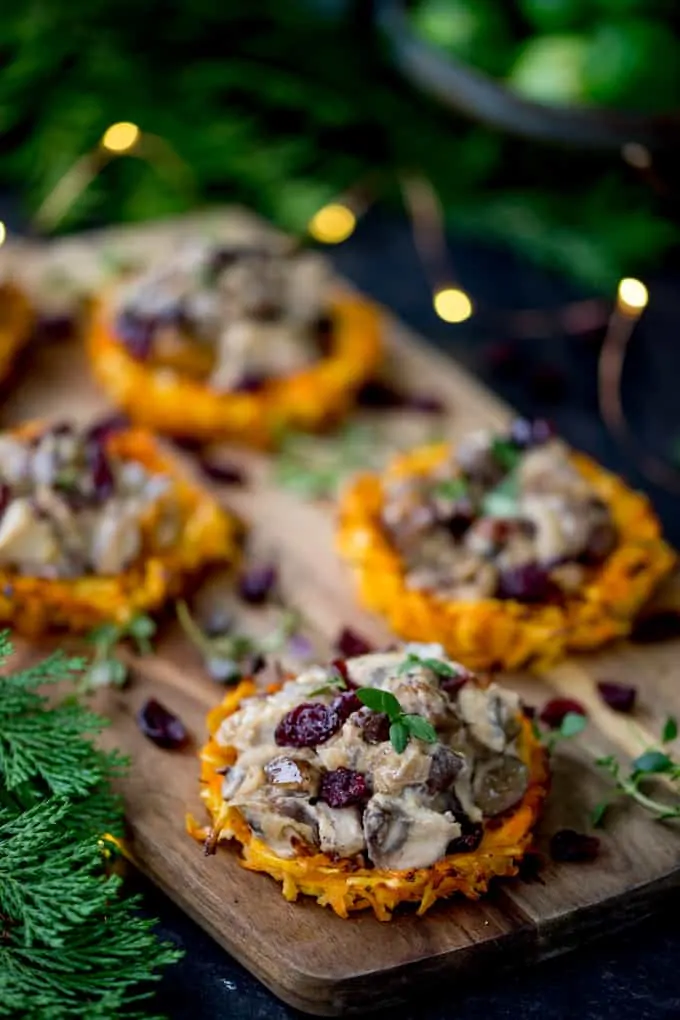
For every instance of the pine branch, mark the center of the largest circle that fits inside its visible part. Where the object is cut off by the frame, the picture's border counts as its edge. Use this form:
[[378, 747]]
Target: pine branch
[[70, 945]]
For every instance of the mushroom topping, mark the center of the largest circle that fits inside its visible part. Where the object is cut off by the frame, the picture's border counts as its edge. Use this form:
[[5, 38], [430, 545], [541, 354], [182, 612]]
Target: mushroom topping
[[499, 783], [398, 838], [306, 772], [70, 509], [235, 316], [293, 774], [500, 520]]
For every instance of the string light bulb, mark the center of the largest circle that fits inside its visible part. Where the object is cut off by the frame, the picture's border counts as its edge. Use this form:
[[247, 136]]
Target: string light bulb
[[120, 137], [633, 296], [452, 304], [3, 233], [332, 223]]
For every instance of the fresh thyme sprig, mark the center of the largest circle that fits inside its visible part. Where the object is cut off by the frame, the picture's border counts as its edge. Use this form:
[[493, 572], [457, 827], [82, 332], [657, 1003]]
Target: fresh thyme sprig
[[437, 666], [237, 647], [651, 764], [106, 668], [314, 467], [403, 725]]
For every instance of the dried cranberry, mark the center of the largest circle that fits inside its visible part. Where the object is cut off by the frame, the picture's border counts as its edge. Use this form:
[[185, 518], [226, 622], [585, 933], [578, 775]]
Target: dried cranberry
[[619, 697], [343, 787], [136, 333], [527, 583], [554, 711], [379, 394], [161, 726], [530, 867], [659, 625], [345, 704], [101, 474], [256, 584], [425, 403], [469, 839], [250, 382], [349, 643], [52, 326], [221, 471], [459, 518], [102, 428], [569, 845], [375, 726], [307, 725], [453, 684], [340, 667]]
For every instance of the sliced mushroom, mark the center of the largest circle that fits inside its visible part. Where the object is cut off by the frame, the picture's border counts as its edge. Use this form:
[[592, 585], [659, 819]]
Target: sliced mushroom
[[27, 538], [340, 830], [282, 822], [445, 767], [400, 834], [499, 783], [292, 773], [116, 540], [15, 459], [490, 714]]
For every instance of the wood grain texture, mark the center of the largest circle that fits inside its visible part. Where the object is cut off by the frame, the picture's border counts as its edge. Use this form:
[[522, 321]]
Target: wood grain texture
[[305, 954]]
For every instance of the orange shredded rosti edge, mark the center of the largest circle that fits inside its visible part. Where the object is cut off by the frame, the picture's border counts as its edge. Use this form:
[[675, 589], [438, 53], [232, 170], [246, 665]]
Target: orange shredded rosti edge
[[505, 634], [174, 403], [34, 605], [345, 885], [15, 325]]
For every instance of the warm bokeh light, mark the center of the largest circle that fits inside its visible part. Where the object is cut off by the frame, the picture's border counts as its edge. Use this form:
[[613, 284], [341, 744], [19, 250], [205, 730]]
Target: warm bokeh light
[[452, 304], [633, 295], [332, 224], [3, 232], [121, 137]]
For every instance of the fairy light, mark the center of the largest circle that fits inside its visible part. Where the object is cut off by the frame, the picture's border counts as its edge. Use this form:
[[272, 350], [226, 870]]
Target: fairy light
[[332, 223], [120, 137], [452, 304], [3, 233], [632, 296]]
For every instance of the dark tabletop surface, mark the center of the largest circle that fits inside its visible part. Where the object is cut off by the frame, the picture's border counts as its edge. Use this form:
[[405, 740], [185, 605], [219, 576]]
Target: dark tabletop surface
[[634, 975]]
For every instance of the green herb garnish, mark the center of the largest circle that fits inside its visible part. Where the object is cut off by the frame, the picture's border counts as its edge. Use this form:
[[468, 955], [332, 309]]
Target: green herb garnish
[[649, 765], [503, 500], [106, 669], [451, 488], [70, 945], [236, 646], [403, 725], [505, 453], [670, 730], [437, 666], [334, 682]]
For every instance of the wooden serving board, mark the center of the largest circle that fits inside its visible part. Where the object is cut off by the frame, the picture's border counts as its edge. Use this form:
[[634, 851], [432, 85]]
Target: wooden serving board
[[306, 955]]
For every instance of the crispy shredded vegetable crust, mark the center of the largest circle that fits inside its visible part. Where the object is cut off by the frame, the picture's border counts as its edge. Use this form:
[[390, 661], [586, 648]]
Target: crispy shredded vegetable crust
[[343, 884], [495, 633], [16, 321], [34, 605], [172, 402]]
